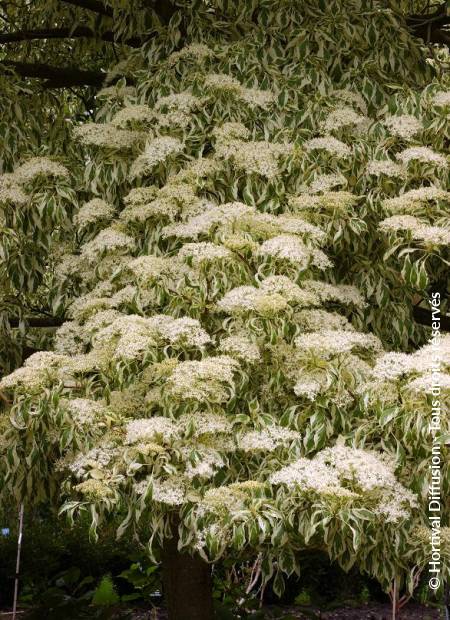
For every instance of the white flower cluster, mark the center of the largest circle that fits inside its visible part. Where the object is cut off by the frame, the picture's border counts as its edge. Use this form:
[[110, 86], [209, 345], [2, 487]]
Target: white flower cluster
[[116, 92], [87, 305], [293, 250], [386, 167], [184, 331], [84, 411], [141, 195], [30, 379], [257, 98], [272, 225], [240, 347], [204, 252], [342, 117], [308, 387], [165, 203], [268, 439], [415, 197], [404, 126], [393, 365], [149, 429], [228, 497], [231, 131], [422, 154], [149, 268], [100, 320], [107, 241], [442, 99], [39, 369], [206, 424], [275, 292], [194, 51], [96, 210], [261, 158], [310, 474], [399, 222], [206, 467], [332, 342], [10, 191], [349, 96], [432, 235], [213, 215], [68, 339], [428, 235], [331, 145], [326, 182], [183, 102], [156, 152], [240, 299], [133, 335], [133, 115], [68, 265], [170, 492], [341, 293], [40, 167], [221, 82], [95, 459], [210, 379], [289, 290], [313, 320], [108, 136], [328, 201], [349, 472]]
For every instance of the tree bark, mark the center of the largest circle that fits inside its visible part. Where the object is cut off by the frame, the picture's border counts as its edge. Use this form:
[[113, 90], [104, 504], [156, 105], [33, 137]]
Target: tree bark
[[67, 33], [187, 584], [429, 26], [423, 316], [92, 5], [56, 77]]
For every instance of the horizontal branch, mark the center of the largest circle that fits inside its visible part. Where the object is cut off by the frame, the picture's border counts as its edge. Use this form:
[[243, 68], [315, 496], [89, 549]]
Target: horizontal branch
[[66, 33], [424, 317], [429, 27], [39, 321], [163, 8], [56, 77], [92, 5]]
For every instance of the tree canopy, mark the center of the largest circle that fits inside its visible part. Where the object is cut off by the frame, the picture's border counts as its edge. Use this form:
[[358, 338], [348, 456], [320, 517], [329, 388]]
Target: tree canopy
[[237, 212]]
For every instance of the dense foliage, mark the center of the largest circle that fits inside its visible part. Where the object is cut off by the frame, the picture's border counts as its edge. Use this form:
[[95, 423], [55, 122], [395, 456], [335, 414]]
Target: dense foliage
[[238, 240]]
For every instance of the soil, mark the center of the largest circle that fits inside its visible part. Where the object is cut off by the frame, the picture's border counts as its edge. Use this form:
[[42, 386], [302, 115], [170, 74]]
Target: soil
[[366, 612], [370, 611]]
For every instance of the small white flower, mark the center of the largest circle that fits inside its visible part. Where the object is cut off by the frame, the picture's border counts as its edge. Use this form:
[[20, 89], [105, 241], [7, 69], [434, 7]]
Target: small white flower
[[422, 154], [404, 125], [330, 145]]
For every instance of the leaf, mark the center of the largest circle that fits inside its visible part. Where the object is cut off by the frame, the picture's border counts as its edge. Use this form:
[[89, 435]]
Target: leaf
[[105, 594]]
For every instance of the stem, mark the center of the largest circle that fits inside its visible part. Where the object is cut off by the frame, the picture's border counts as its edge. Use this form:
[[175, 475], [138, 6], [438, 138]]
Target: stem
[[187, 584], [19, 548]]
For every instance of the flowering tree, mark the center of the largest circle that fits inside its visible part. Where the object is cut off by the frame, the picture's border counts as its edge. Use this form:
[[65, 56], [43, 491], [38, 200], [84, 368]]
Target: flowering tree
[[258, 214]]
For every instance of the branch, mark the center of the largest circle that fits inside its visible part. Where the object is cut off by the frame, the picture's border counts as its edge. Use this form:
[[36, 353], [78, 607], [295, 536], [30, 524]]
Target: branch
[[424, 317], [163, 8], [65, 33], [56, 77], [92, 5], [39, 321], [429, 27]]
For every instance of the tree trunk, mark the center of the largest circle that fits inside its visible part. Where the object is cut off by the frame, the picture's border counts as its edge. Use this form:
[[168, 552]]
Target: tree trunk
[[187, 584]]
